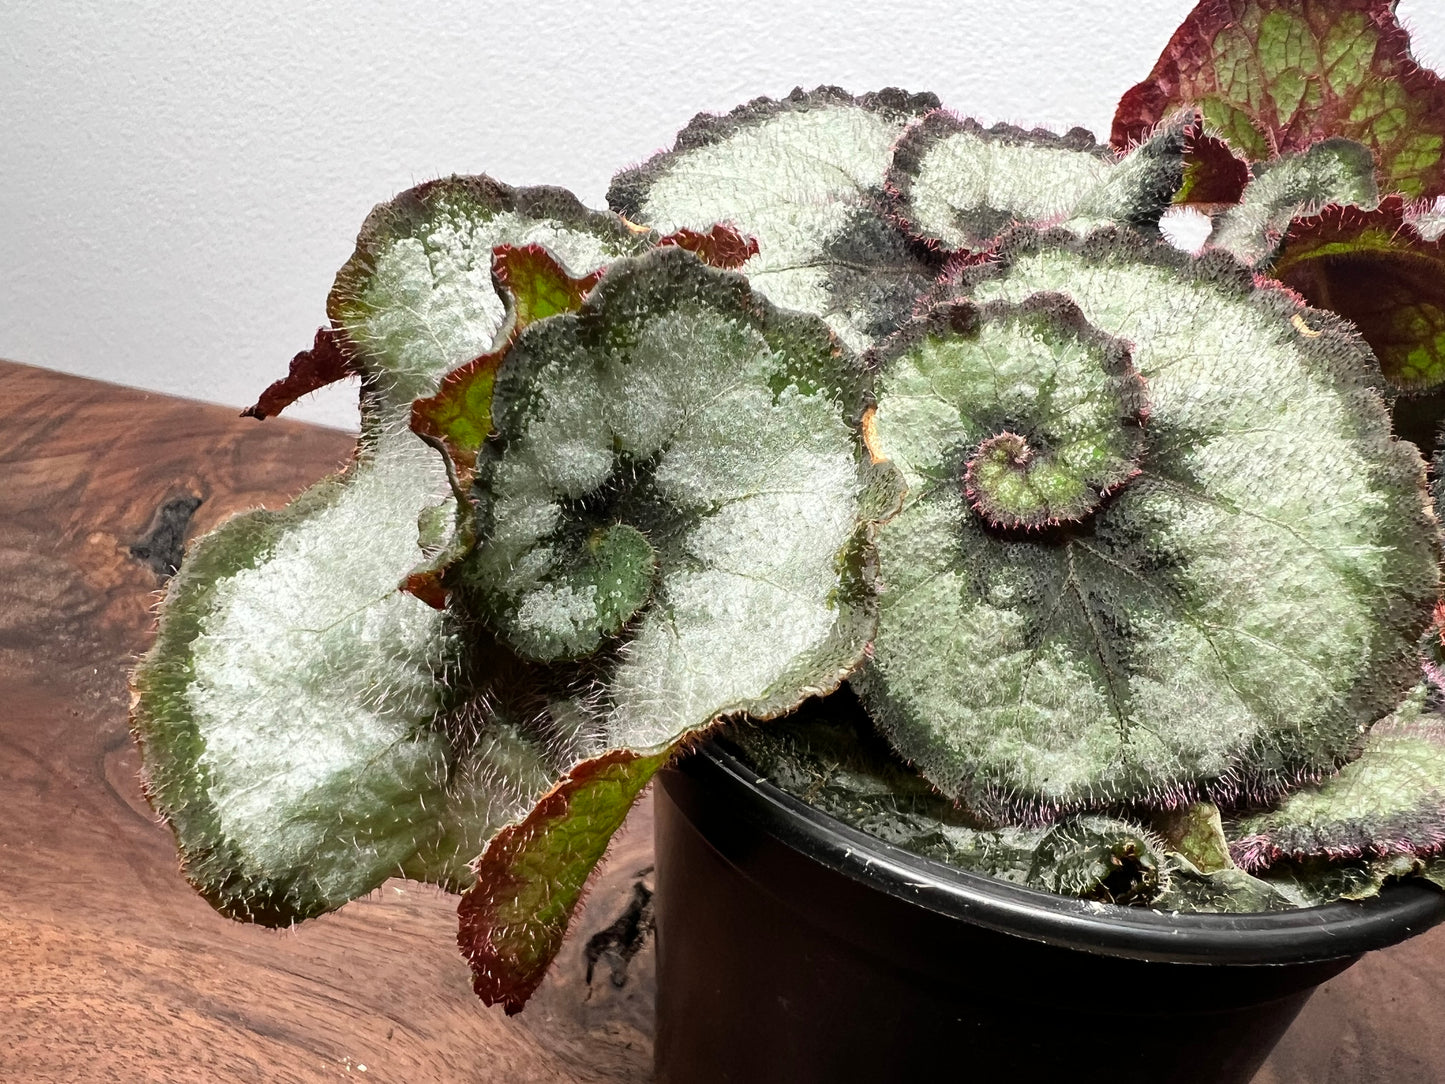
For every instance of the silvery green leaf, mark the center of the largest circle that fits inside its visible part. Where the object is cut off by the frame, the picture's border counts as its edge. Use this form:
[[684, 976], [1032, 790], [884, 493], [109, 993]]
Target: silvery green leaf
[[1335, 171], [677, 491], [1212, 627], [673, 519], [804, 177], [1387, 803], [959, 185], [298, 713]]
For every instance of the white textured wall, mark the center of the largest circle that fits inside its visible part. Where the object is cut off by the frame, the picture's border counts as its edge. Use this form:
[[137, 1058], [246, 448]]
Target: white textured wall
[[179, 182]]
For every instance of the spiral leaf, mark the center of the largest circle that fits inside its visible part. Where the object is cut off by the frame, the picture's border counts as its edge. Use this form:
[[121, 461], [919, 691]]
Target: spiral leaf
[[1052, 412], [679, 461], [804, 177], [1213, 627], [672, 519]]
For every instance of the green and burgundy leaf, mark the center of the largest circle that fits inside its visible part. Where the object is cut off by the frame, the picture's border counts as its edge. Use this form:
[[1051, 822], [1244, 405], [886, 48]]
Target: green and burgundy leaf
[[536, 285], [1200, 628], [958, 185], [1391, 801], [1277, 76], [311, 370], [803, 177], [1375, 269], [531, 876]]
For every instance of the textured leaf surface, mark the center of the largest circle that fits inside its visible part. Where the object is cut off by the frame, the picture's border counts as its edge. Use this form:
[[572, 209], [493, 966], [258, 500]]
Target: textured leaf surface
[[1390, 801], [416, 299], [1277, 76], [959, 185], [1335, 171], [530, 878], [284, 709], [534, 286], [304, 723], [678, 462], [1099, 858], [1375, 269], [311, 370], [1213, 627], [672, 527], [1197, 832], [804, 177]]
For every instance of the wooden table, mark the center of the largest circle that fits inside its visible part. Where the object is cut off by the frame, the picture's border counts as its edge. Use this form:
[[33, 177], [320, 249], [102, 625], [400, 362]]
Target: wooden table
[[112, 969]]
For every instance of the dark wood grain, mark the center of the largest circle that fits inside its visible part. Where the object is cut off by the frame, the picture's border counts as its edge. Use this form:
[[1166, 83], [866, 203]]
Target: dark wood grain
[[111, 969]]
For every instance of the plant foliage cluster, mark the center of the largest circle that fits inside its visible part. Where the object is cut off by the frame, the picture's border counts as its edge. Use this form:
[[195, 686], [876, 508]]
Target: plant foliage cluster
[[905, 449]]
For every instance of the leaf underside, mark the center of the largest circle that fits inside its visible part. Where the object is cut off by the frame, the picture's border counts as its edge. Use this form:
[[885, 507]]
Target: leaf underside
[[311, 370], [1375, 269], [531, 877], [1275, 77], [1213, 175], [1208, 630]]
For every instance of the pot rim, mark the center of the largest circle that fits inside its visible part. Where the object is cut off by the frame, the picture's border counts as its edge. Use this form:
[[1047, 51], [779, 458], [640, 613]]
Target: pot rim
[[1344, 928]]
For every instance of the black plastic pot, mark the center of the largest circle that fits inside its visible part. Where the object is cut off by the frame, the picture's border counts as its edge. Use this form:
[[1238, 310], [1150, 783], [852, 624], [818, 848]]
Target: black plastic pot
[[792, 948]]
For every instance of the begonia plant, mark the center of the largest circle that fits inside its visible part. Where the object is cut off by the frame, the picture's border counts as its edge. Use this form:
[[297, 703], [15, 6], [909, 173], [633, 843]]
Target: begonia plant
[[902, 452]]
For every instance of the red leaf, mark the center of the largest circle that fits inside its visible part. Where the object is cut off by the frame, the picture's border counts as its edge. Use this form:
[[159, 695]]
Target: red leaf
[[325, 363], [1213, 176], [722, 246], [1277, 76], [531, 876]]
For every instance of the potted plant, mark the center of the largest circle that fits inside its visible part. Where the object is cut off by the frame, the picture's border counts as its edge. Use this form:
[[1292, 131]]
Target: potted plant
[[1119, 547]]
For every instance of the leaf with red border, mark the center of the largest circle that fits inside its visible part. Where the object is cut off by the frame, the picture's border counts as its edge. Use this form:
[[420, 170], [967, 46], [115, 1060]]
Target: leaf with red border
[[311, 370], [1276, 76], [532, 875], [1375, 269], [1391, 801]]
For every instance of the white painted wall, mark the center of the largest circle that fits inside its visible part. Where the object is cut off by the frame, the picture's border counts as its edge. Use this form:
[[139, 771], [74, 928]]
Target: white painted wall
[[179, 181]]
